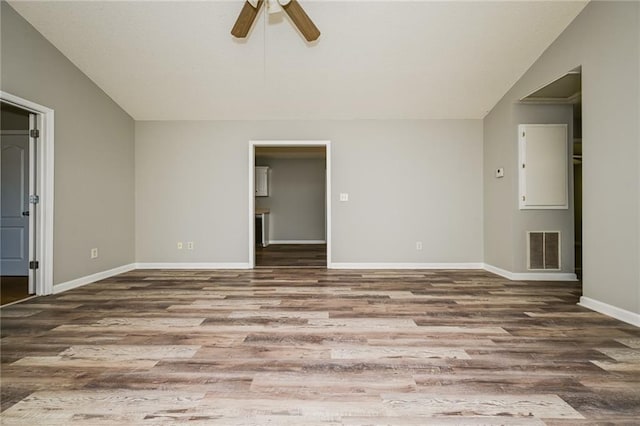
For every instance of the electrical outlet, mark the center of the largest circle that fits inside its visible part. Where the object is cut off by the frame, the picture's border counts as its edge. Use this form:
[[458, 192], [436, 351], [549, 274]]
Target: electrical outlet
[[190, 245], [418, 245], [179, 245], [94, 253], [344, 197]]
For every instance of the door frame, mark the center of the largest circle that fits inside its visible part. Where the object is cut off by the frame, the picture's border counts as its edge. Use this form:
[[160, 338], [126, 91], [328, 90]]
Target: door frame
[[43, 119], [252, 207]]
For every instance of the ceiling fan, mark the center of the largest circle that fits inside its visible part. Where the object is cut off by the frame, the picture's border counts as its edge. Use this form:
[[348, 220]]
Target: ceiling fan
[[297, 14]]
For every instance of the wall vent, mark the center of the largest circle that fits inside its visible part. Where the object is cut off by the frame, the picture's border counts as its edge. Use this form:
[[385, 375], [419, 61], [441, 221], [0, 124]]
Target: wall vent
[[543, 250]]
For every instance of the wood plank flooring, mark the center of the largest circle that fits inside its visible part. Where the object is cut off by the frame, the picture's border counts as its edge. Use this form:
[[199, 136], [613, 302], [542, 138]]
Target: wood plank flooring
[[13, 289], [291, 255], [317, 347]]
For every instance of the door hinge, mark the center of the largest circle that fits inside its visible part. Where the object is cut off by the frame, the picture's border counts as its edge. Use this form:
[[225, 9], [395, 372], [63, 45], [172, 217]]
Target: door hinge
[[34, 264], [34, 133], [34, 199]]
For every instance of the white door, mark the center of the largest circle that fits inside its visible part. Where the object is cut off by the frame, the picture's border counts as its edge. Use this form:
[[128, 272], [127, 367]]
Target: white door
[[14, 222], [262, 181], [544, 166]]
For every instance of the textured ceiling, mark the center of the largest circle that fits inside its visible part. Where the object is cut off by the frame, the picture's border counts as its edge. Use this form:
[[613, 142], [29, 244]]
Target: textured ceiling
[[176, 60]]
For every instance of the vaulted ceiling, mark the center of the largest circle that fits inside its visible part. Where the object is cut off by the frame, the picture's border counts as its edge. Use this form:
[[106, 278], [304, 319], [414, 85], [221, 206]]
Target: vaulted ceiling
[[176, 60]]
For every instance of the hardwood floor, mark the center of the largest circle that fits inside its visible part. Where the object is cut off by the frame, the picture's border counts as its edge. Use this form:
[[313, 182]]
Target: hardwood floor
[[317, 347], [291, 255], [13, 288]]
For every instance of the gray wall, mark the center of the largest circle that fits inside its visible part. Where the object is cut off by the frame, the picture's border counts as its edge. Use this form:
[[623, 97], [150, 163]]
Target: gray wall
[[94, 150], [543, 220], [506, 227], [296, 198], [603, 39], [407, 180]]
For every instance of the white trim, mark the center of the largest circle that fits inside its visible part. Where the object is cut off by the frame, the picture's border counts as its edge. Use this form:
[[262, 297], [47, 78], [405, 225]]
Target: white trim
[[498, 271], [252, 161], [328, 213], [252, 205], [297, 241], [44, 175], [33, 230], [576, 70], [610, 310], [59, 288], [192, 265], [400, 265], [531, 276], [569, 100], [33, 296]]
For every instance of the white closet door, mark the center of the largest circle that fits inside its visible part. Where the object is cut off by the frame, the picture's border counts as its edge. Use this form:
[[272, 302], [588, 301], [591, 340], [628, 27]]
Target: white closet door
[[544, 167], [262, 181]]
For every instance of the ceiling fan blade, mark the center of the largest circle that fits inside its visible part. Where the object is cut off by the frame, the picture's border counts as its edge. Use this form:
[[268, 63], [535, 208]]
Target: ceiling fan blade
[[245, 19], [302, 20]]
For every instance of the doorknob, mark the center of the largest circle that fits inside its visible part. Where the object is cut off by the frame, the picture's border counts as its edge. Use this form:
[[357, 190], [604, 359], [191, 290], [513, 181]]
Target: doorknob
[[25, 213]]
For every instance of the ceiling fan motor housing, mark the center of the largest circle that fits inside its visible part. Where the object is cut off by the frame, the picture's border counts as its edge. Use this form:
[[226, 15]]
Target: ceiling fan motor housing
[[297, 14]]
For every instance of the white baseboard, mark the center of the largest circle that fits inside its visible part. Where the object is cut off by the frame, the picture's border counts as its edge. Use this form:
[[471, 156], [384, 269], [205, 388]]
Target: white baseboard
[[192, 265], [610, 310], [394, 265], [531, 276], [79, 282], [498, 271], [297, 242]]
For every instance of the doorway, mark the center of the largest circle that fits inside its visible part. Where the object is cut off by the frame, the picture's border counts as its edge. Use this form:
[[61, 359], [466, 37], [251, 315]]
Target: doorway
[[27, 198], [16, 229], [567, 90], [289, 205], [577, 185]]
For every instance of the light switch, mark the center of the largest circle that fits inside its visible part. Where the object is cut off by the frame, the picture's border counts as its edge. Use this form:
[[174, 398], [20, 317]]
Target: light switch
[[344, 196], [500, 172]]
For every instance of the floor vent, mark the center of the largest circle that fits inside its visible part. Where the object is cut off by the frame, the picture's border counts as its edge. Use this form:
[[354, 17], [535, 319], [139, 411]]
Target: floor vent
[[543, 249]]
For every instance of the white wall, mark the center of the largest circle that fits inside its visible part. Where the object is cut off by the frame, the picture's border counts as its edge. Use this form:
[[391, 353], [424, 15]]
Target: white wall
[[407, 180], [605, 40], [93, 152], [296, 198]]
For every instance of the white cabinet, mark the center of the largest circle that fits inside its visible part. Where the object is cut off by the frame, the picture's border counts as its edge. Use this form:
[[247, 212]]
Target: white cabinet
[[544, 166], [262, 181]]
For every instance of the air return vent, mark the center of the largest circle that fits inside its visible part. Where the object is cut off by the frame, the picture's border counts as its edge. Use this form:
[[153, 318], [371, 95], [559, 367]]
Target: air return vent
[[543, 250]]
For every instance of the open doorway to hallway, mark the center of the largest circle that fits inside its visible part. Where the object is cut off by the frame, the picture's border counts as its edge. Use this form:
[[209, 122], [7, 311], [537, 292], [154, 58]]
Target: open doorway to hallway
[[38, 201], [291, 197], [15, 227], [290, 207]]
